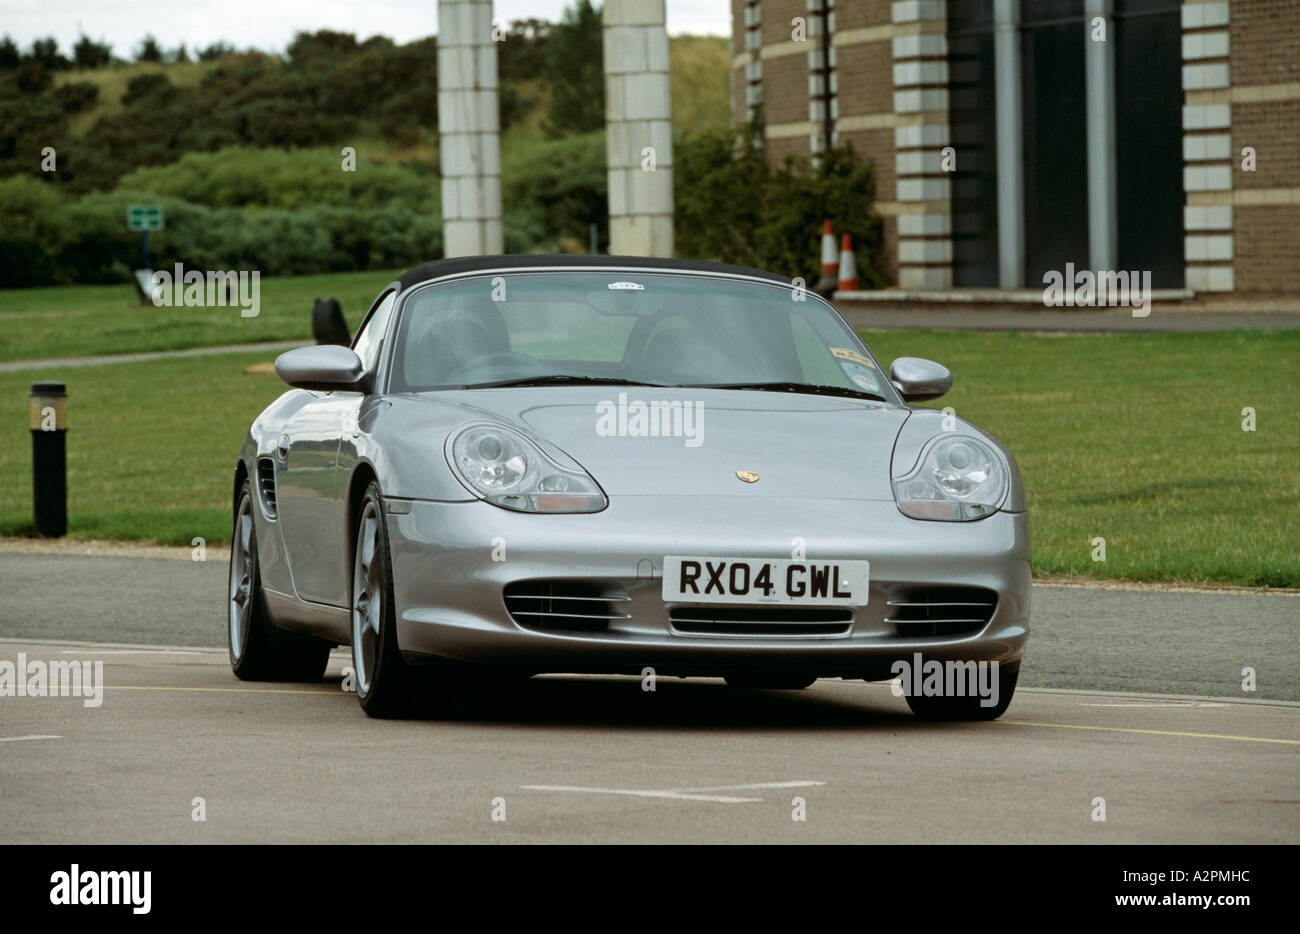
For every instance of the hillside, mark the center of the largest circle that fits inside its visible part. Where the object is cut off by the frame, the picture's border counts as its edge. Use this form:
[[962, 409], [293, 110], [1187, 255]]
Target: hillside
[[701, 96]]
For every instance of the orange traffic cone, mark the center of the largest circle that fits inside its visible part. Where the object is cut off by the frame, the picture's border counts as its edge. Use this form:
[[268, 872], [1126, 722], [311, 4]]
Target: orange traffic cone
[[848, 266], [830, 262]]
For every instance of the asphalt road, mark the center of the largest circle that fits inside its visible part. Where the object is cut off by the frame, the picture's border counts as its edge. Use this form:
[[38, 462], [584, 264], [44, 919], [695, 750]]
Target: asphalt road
[[1137, 640], [582, 759], [598, 759]]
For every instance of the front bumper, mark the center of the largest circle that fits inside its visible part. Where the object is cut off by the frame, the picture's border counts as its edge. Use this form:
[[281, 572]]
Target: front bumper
[[453, 561]]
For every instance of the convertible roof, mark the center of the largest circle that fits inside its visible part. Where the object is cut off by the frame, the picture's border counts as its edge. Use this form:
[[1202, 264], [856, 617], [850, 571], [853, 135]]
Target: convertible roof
[[439, 268]]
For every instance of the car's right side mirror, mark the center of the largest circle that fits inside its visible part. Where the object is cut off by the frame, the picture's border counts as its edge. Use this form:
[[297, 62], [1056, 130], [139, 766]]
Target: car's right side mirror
[[918, 380], [324, 367]]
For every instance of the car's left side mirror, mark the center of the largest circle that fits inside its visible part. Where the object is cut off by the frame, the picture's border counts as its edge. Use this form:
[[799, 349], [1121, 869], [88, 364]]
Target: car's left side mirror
[[325, 367], [918, 380]]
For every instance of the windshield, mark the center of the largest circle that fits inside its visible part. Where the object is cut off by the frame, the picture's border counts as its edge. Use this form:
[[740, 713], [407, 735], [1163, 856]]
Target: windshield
[[647, 328]]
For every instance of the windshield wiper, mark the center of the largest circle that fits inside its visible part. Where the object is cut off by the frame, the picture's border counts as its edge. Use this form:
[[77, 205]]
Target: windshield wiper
[[569, 379], [808, 388]]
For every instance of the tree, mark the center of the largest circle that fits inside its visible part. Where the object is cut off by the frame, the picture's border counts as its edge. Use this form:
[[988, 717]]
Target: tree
[[522, 56], [45, 52], [9, 54], [88, 53], [149, 50], [575, 72], [322, 44], [731, 205], [33, 78], [215, 51]]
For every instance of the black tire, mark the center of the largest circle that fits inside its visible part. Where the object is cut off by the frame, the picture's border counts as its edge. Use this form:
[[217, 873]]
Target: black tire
[[969, 707], [770, 681], [386, 685], [259, 650]]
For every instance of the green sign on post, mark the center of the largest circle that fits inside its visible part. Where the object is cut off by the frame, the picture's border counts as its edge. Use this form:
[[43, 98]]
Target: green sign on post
[[144, 217]]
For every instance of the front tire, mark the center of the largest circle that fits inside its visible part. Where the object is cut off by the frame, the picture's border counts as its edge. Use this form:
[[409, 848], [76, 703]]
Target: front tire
[[386, 686], [968, 707], [260, 650]]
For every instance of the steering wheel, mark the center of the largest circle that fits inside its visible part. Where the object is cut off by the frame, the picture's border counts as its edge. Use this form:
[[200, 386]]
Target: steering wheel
[[524, 365]]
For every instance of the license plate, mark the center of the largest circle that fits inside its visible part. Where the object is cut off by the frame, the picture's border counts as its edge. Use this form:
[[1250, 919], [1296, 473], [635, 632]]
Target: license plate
[[689, 579]]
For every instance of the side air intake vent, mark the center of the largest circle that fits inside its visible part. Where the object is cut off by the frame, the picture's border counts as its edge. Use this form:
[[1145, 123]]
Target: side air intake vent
[[582, 606], [941, 611], [266, 484]]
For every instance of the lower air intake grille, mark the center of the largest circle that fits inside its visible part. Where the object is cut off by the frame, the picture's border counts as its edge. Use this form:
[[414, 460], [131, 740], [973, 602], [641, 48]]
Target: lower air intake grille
[[266, 482], [583, 606], [941, 611], [760, 621]]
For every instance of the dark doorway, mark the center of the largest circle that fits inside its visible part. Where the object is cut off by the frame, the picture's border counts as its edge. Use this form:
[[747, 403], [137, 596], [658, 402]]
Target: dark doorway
[[1055, 130], [1149, 138], [972, 115]]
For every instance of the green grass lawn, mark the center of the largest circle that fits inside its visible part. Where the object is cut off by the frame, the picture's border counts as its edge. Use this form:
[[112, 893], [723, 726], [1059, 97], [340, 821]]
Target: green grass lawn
[[151, 446], [1133, 438], [69, 321], [1137, 439]]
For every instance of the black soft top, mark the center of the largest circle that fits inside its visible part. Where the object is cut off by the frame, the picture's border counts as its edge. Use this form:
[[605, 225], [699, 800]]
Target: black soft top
[[438, 268]]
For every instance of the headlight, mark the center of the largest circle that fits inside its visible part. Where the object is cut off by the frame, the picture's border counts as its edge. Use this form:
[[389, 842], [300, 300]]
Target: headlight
[[958, 478], [508, 470]]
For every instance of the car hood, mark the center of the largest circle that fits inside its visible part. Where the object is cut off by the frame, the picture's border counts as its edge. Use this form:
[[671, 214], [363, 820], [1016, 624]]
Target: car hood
[[799, 445]]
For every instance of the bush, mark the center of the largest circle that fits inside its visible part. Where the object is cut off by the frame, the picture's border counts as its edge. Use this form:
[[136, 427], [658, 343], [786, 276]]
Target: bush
[[56, 240], [730, 205], [28, 124], [276, 178], [33, 219], [574, 72], [556, 188], [76, 97]]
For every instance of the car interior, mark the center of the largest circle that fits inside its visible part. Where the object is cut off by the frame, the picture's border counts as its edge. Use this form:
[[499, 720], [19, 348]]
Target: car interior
[[461, 337]]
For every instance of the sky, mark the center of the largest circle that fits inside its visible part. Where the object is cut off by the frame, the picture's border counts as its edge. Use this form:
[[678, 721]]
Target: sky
[[269, 25]]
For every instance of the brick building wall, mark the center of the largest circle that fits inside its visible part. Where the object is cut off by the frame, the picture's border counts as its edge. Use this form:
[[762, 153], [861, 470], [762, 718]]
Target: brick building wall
[[1240, 226], [1264, 65]]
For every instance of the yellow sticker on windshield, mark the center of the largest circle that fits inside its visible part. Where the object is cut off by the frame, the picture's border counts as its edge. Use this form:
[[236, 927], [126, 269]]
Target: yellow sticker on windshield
[[845, 353]]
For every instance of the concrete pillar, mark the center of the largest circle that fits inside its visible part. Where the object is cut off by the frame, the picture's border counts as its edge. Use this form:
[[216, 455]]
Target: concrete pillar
[[1209, 158], [1011, 166], [469, 129], [638, 128], [921, 132], [1099, 70]]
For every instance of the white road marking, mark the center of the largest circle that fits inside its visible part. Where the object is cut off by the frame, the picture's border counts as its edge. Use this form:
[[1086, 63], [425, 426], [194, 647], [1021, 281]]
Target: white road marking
[[94, 651], [1084, 692], [1137, 695], [678, 794], [82, 643], [754, 785], [1153, 705], [18, 739]]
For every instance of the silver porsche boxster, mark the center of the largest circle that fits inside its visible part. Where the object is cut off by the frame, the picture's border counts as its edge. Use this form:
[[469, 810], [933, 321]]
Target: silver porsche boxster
[[530, 464]]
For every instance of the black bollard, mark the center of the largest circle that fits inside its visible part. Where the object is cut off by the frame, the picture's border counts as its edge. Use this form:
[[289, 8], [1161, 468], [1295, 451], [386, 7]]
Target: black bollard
[[49, 424], [327, 324]]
